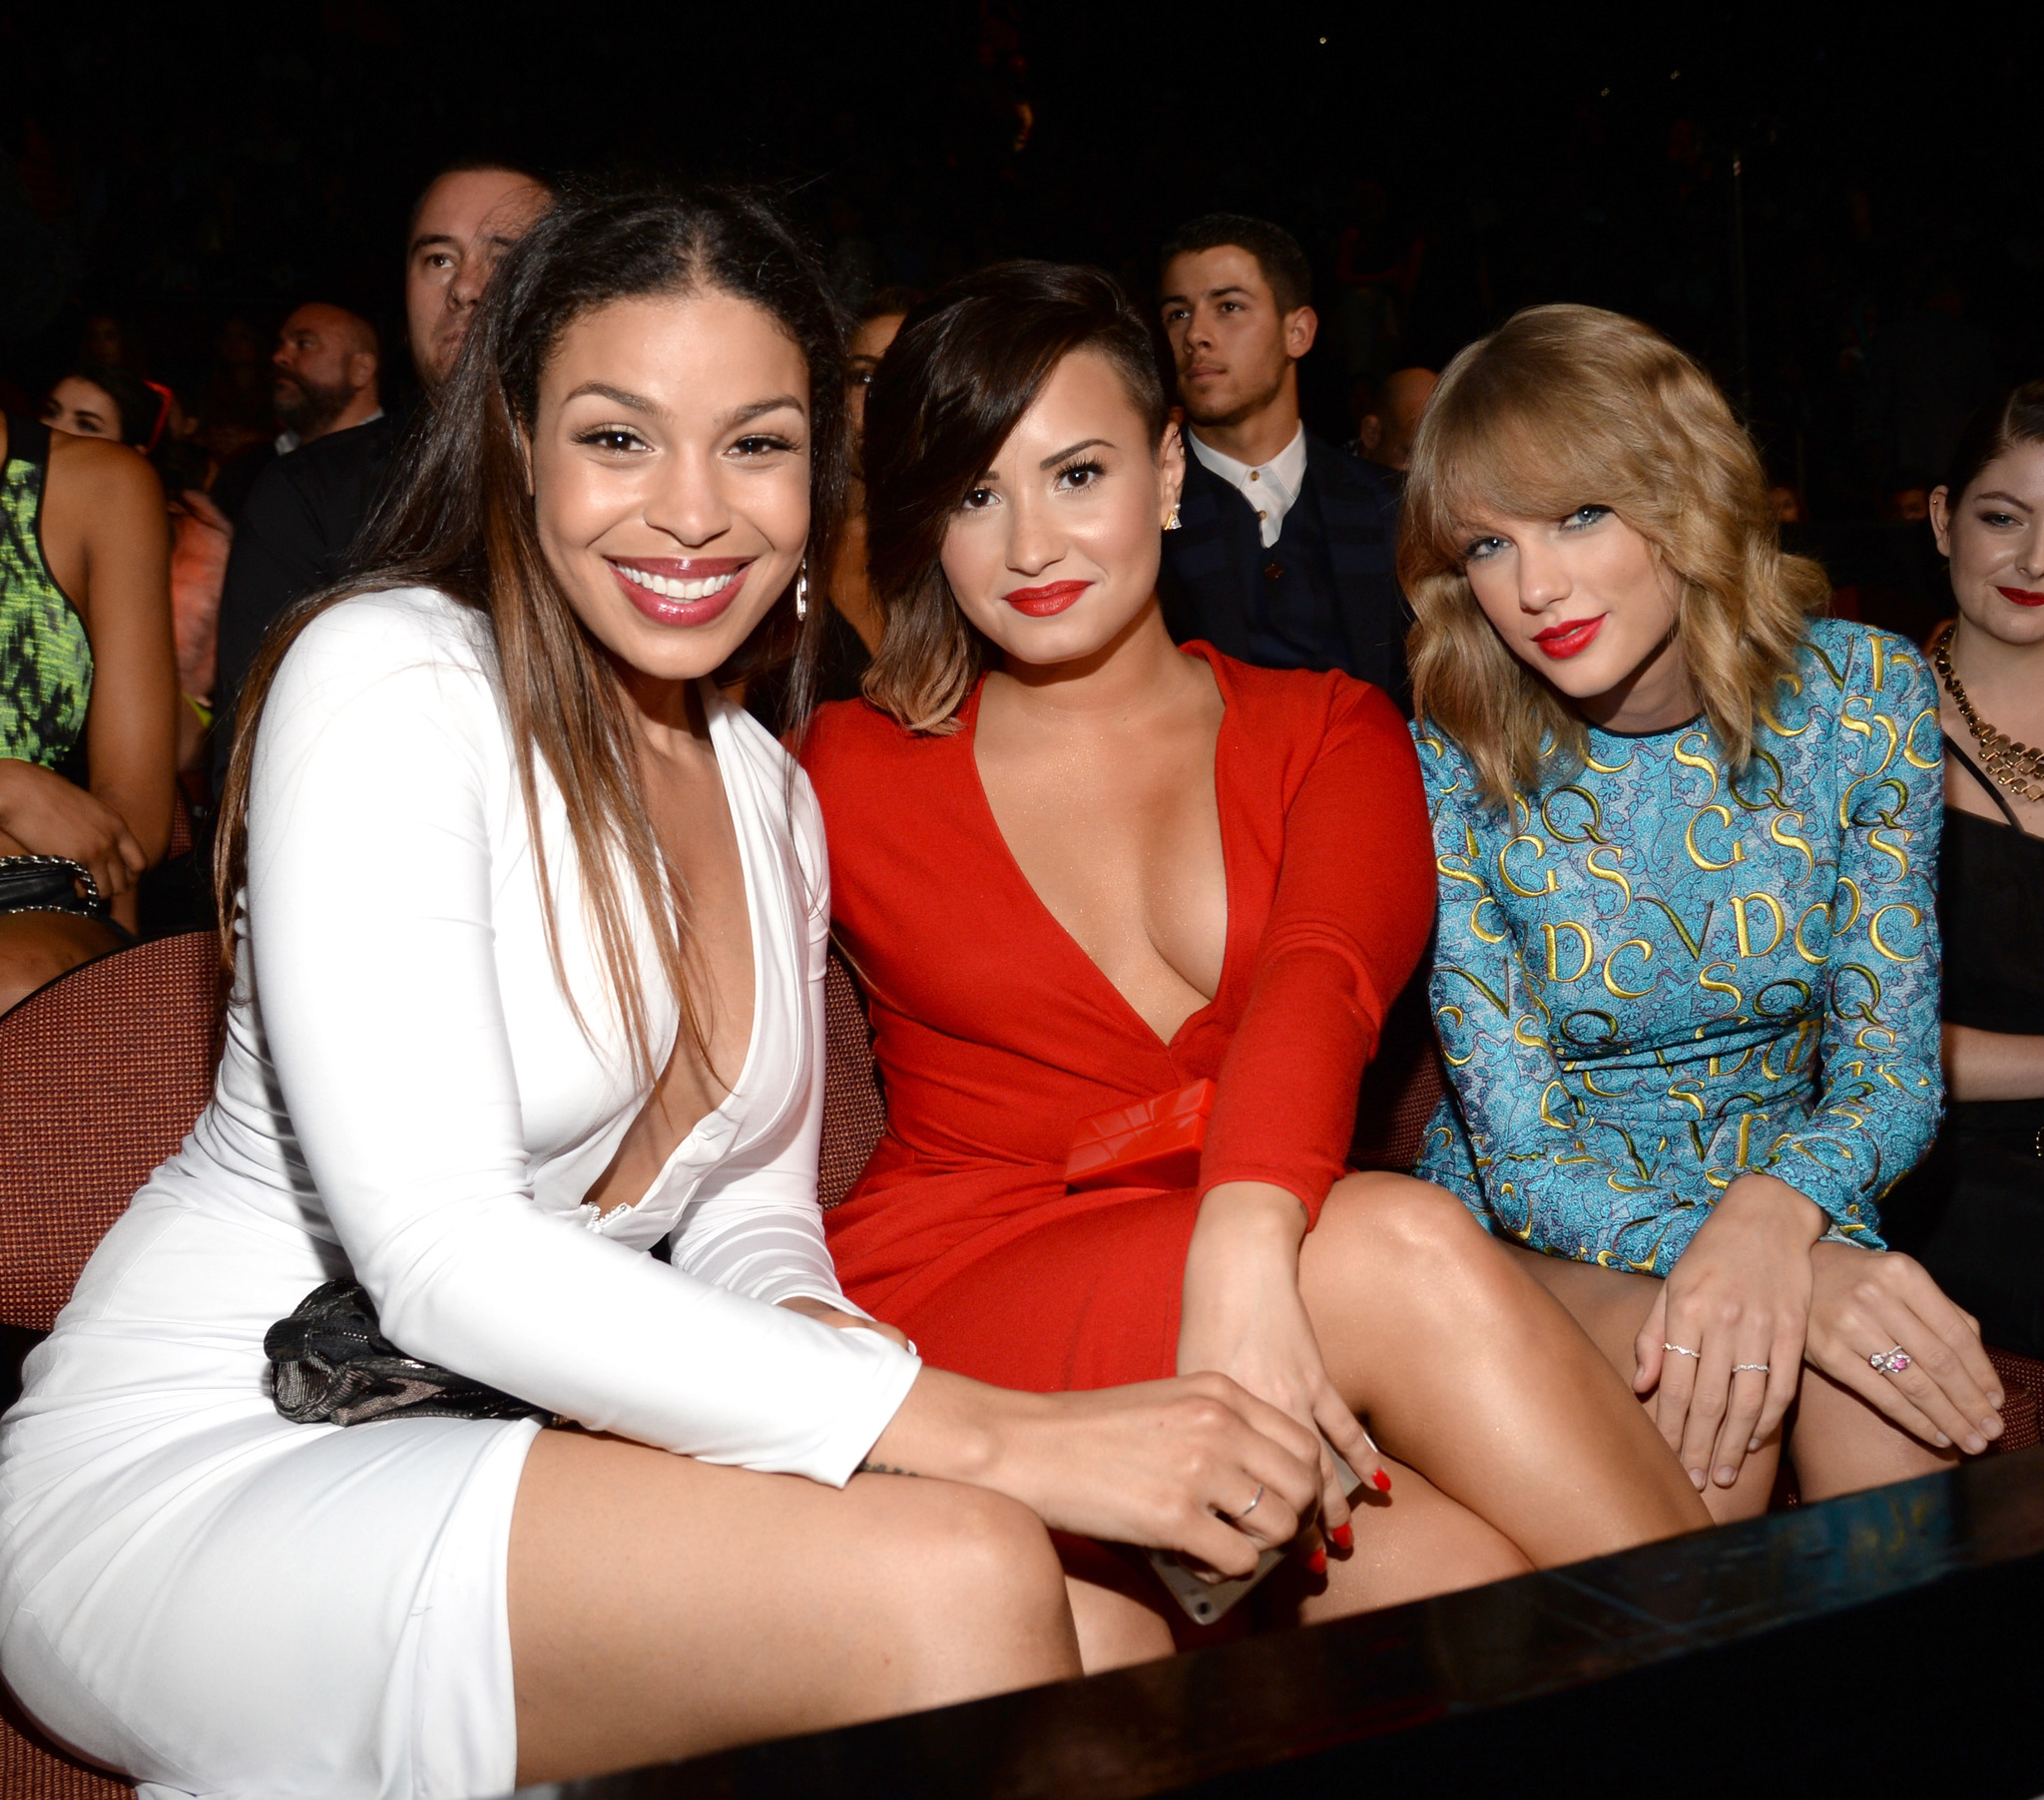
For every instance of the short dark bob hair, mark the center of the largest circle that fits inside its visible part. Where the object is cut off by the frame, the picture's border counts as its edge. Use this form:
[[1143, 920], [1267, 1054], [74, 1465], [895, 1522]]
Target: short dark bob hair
[[967, 365]]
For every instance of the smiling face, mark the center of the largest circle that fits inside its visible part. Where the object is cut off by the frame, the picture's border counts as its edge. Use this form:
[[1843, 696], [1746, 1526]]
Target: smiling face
[[1585, 603], [1995, 539], [671, 475], [1055, 550], [83, 409]]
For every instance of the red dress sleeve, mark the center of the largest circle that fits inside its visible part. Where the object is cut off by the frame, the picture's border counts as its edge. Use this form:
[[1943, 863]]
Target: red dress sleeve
[[1353, 906]]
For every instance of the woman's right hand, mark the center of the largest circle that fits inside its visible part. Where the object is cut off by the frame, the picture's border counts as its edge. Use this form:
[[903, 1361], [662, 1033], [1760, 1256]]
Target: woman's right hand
[[50, 816], [1172, 1465]]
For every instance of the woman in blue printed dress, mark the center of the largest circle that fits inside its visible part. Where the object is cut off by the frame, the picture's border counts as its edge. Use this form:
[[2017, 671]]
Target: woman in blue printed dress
[[1687, 973]]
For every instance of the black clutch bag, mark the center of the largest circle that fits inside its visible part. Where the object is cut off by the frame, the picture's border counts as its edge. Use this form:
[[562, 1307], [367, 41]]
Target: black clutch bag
[[331, 1364], [49, 884]]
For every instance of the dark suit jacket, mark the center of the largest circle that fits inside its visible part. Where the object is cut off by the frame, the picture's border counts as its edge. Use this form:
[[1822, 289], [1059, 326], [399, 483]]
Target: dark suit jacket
[[1214, 562], [297, 531]]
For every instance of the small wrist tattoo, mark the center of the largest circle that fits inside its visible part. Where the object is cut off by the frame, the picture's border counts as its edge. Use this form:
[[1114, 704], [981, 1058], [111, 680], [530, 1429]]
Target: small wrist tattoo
[[870, 1467]]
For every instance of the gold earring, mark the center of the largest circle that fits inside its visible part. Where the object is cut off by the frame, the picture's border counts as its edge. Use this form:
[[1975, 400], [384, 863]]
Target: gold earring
[[1172, 523]]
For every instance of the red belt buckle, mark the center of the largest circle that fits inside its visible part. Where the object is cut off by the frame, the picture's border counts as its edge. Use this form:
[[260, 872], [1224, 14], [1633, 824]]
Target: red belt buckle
[[1154, 1143]]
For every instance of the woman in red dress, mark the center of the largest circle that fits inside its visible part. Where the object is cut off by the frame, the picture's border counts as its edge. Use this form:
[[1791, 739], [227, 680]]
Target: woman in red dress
[[1077, 868]]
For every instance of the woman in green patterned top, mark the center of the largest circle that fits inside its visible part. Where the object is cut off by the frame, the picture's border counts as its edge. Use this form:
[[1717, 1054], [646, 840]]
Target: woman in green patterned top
[[88, 686]]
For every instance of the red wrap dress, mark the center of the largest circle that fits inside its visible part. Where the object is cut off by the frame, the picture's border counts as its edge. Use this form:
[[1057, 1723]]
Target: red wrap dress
[[996, 1034]]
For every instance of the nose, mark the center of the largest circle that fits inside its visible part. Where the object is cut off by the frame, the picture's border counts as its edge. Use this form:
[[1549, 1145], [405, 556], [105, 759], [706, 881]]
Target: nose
[[2030, 558], [1543, 577], [1034, 540], [471, 275], [688, 502]]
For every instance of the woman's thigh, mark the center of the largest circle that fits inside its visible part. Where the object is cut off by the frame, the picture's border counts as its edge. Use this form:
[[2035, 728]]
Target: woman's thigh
[[662, 1608], [36, 948], [1611, 1305]]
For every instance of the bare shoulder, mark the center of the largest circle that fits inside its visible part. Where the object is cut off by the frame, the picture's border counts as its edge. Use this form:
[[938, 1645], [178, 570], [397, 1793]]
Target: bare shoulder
[[98, 471]]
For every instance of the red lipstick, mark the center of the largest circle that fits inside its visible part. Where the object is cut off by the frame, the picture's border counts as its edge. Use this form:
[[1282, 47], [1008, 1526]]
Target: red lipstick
[[2021, 597], [691, 591], [1047, 601], [1570, 640]]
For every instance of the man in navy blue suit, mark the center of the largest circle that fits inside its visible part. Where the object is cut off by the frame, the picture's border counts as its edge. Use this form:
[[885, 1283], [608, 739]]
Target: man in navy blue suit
[[1285, 550]]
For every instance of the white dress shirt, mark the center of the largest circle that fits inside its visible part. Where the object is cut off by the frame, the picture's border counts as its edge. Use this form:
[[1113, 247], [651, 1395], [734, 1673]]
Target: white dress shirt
[[1269, 487]]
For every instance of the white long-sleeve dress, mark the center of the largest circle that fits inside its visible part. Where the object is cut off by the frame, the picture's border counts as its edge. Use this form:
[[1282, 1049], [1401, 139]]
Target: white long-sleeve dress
[[220, 1603]]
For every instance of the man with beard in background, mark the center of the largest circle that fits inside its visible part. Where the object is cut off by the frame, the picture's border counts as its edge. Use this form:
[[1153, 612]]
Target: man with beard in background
[[327, 360], [303, 515]]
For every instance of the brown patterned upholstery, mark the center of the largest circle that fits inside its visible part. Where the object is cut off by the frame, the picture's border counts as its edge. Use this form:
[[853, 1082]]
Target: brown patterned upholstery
[[30, 1768], [104, 1072], [2024, 1396], [854, 1114]]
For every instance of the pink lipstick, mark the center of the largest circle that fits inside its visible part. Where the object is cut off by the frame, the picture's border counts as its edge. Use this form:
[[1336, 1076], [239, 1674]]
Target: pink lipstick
[[1047, 601], [1571, 640], [2021, 597], [681, 591]]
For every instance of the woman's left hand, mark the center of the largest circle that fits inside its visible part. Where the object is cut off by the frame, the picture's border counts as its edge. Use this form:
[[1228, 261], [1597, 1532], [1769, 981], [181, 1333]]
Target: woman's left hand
[[1737, 1302], [825, 1315], [1242, 1317]]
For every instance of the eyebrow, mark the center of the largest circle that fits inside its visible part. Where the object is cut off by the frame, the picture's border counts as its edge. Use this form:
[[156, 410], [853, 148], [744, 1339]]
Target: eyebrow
[[2010, 498], [1084, 444], [1210, 293], [738, 415], [426, 237]]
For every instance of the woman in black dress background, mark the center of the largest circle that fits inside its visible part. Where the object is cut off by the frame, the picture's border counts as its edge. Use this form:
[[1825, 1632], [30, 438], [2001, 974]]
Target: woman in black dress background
[[1974, 1212]]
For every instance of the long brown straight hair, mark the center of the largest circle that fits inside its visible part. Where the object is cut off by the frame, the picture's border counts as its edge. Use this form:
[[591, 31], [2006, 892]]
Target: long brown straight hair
[[459, 518]]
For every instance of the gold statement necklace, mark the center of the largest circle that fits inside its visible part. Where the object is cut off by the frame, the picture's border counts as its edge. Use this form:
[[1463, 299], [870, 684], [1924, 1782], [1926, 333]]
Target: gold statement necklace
[[2013, 766]]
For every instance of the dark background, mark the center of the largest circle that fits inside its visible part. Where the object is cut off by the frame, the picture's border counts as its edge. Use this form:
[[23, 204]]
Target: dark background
[[185, 165]]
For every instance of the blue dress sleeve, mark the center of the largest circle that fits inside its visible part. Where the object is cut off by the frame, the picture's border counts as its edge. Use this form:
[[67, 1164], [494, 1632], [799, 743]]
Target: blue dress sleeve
[[1880, 1084]]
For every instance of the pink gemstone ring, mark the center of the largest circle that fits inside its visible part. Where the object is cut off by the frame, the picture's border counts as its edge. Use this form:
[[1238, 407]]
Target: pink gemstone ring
[[1891, 1362]]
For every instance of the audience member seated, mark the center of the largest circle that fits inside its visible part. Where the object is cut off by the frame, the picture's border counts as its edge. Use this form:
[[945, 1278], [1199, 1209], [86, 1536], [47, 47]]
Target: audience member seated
[[1285, 557], [850, 625], [1975, 1211], [305, 515], [1385, 433], [1686, 971], [99, 400], [88, 698], [1080, 870], [460, 1105]]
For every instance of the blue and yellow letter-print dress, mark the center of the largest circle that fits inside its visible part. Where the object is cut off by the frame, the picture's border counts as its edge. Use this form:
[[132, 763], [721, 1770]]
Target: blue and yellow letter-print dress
[[1654, 977]]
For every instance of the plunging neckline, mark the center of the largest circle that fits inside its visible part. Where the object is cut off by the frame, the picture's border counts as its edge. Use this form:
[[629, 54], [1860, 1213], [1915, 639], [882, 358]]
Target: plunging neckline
[[968, 737]]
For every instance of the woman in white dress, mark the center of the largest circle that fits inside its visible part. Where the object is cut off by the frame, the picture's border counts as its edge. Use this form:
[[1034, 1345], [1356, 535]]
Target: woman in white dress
[[529, 936]]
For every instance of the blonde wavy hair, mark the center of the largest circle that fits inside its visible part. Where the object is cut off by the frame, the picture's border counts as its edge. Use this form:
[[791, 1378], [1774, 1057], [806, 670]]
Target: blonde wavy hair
[[1570, 406]]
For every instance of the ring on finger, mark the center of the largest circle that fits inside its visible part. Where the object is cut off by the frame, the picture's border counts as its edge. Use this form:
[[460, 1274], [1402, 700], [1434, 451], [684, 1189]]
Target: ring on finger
[[1892, 1361], [1750, 1369], [1682, 1350], [1253, 1506]]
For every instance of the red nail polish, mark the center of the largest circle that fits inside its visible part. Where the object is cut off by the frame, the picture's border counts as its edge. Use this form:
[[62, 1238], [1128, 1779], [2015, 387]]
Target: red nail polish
[[1382, 1481], [1343, 1536], [1317, 1562]]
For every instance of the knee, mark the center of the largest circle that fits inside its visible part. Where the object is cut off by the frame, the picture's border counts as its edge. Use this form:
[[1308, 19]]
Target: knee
[[36, 948], [986, 1563], [1410, 1226]]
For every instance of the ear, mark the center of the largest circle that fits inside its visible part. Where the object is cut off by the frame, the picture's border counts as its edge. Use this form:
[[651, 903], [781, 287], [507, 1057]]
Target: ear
[[1941, 520], [1369, 431], [1301, 328], [1171, 463], [361, 369]]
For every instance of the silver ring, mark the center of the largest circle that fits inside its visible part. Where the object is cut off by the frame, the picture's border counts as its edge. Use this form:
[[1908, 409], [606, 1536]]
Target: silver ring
[[1679, 1350], [1891, 1362], [1253, 1506], [1749, 1369]]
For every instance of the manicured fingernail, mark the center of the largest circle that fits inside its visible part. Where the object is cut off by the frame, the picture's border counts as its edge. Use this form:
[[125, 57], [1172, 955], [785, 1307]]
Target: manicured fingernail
[[1343, 1536], [1991, 1426], [1975, 1443], [1696, 1476], [1942, 1442], [1317, 1562], [1752, 1444], [1727, 1475], [1382, 1481], [1995, 1397]]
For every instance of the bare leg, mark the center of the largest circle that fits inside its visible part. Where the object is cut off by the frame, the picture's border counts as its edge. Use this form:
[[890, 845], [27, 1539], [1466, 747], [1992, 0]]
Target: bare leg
[[1842, 1445], [1611, 1305], [1470, 1373], [1119, 1626], [662, 1608], [36, 948]]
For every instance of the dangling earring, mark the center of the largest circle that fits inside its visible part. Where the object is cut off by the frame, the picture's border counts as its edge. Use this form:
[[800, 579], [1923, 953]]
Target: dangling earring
[[1171, 524], [801, 590]]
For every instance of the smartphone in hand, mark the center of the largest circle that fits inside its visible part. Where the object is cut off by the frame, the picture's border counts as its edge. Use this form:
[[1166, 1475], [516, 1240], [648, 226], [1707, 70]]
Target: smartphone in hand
[[1208, 1602]]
